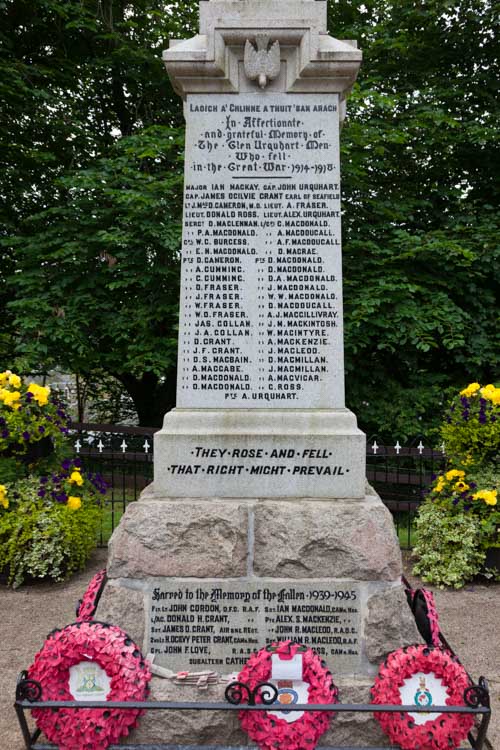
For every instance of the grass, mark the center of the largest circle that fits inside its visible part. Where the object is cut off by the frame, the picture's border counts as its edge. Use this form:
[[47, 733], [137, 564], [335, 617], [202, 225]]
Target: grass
[[113, 511], [404, 541]]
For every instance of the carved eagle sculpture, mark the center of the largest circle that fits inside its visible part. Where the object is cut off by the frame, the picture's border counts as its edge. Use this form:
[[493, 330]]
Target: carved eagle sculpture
[[261, 63]]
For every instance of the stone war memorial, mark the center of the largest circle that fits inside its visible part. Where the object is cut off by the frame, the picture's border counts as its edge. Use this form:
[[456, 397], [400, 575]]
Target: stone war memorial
[[260, 525]]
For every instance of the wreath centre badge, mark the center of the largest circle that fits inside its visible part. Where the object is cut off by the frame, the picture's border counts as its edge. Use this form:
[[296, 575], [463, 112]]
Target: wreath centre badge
[[88, 682], [425, 691], [286, 675]]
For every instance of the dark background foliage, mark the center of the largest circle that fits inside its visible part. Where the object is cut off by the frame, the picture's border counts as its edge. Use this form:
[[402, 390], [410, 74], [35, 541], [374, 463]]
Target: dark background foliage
[[91, 139]]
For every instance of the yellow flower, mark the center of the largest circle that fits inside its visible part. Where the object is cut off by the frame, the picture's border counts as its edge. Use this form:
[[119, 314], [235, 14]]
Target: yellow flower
[[76, 478], [4, 377], [491, 393], [3, 496], [470, 390], [74, 503], [495, 396], [40, 393], [461, 486], [489, 496], [14, 381], [487, 389], [454, 473], [11, 398], [440, 484]]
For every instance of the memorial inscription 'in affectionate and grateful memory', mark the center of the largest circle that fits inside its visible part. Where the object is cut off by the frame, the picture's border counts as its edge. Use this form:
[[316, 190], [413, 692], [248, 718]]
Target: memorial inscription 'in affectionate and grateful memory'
[[261, 314]]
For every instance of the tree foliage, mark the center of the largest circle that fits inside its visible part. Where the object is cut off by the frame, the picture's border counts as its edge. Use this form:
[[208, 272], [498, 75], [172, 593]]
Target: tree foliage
[[91, 166], [99, 282], [420, 200]]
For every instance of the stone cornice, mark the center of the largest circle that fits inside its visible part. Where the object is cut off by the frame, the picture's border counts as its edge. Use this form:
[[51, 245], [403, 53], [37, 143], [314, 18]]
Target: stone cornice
[[312, 61]]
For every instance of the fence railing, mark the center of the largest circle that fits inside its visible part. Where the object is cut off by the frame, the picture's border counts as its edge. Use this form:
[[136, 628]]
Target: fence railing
[[124, 456], [401, 476]]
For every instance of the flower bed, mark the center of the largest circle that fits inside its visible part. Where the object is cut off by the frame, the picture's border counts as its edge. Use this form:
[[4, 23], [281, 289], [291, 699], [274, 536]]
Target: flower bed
[[49, 524], [50, 508], [459, 521]]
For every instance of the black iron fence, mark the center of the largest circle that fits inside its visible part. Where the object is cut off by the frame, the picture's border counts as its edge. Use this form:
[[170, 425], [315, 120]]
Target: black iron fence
[[124, 456], [401, 476]]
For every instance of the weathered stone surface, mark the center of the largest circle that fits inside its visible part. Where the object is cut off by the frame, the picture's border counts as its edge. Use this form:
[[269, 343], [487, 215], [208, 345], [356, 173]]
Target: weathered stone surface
[[222, 728], [188, 727], [354, 729], [123, 607], [342, 539], [188, 539], [389, 625]]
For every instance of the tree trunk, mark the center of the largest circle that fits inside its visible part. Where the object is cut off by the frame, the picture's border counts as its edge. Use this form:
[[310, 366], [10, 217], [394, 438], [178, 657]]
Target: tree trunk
[[151, 398]]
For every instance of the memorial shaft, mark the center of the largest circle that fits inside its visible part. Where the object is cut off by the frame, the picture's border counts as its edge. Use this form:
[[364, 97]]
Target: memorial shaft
[[261, 314], [260, 389]]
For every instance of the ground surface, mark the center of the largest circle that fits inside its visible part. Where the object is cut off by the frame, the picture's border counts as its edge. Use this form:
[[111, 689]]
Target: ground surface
[[469, 619]]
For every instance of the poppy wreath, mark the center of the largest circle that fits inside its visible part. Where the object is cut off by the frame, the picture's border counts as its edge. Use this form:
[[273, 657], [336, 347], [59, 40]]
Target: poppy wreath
[[440, 731], [270, 732], [87, 605], [424, 610], [116, 653]]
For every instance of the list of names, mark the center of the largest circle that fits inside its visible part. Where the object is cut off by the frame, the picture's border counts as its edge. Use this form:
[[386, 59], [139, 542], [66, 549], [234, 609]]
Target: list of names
[[261, 308], [218, 624]]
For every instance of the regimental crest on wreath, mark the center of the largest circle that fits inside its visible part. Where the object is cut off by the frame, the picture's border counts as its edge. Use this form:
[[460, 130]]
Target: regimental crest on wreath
[[262, 64], [423, 697], [88, 681]]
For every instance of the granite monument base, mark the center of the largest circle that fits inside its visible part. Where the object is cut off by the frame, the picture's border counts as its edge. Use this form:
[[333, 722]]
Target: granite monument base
[[202, 582]]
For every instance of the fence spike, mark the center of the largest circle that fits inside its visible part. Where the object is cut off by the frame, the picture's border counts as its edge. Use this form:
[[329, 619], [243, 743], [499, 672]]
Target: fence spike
[[420, 447], [375, 447], [443, 447], [100, 445], [78, 445], [397, 448], [146, 446], [123, 446]]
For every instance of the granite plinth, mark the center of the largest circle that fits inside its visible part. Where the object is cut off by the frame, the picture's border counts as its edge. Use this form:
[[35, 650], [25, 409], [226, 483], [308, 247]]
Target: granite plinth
[[202, 582], [231, 574]]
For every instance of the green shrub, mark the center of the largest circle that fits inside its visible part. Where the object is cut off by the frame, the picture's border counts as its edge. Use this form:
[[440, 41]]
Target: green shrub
[[458, 522], [447, 546], [49, 525]]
